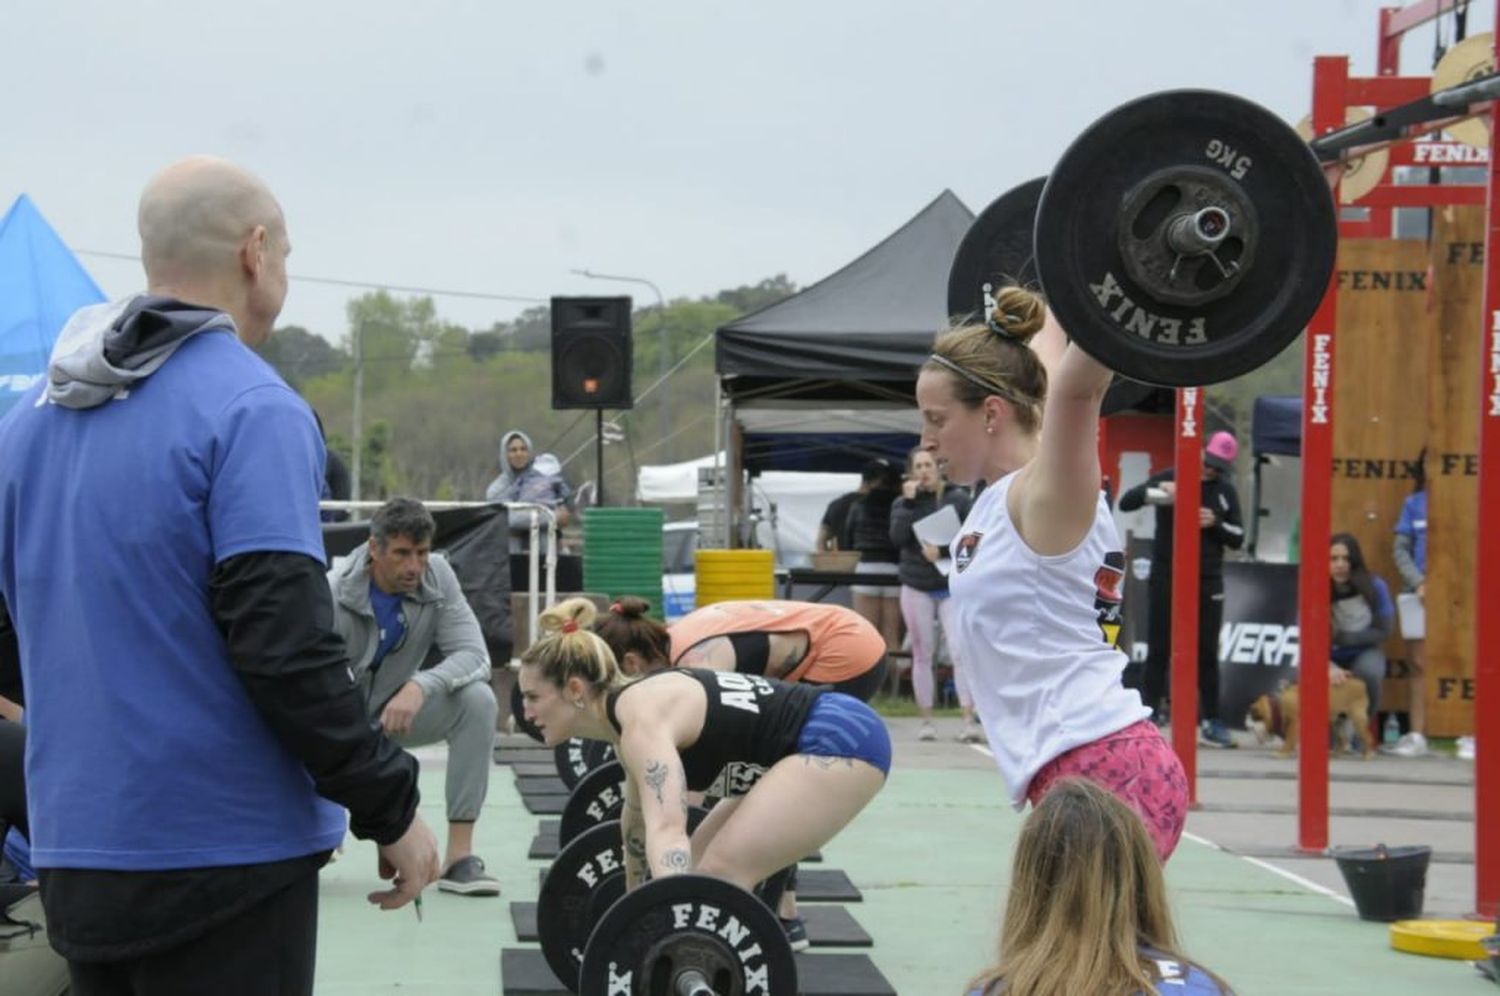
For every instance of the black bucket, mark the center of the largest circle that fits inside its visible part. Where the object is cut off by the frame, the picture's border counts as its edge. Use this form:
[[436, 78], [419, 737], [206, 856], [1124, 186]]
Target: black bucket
[[1387, 883]]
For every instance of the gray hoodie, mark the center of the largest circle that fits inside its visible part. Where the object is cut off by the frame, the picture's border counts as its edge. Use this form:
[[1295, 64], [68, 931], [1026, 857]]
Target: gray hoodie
[[105, 348]]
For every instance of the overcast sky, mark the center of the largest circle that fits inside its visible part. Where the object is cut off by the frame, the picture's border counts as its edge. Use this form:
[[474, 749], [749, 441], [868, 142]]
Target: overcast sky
[[492, 146]]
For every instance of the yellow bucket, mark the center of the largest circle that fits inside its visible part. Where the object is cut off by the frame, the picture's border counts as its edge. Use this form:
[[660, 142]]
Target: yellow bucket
[[734, 575]]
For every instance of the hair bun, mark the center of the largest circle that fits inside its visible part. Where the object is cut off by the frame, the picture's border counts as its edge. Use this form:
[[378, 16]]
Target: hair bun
[[1019, 313], [631, 607], [568, 616]]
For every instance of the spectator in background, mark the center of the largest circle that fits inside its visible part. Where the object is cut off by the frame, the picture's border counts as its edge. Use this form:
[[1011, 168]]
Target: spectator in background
[[869, 532], [1361, 616], [396, 604], [834, 529], [522, 480], [1219, 519], [336, 481], [924, 588], [1411, 564]]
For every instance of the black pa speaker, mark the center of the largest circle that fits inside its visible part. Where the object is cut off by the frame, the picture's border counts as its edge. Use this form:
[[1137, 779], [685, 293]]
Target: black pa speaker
[[591, 355]]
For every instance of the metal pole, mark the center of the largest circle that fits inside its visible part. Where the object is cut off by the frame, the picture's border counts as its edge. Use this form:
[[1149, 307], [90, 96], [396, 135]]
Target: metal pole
[[1330, 77], [1487, 566], [1187, 539], [356, 462], [599, 457]]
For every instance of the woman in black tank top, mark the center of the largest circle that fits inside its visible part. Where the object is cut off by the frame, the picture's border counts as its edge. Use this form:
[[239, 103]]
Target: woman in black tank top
[[677, 730]]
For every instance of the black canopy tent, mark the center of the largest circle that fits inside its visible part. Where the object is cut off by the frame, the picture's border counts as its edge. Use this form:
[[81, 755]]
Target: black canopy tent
[[827, 375], [1275, 430]]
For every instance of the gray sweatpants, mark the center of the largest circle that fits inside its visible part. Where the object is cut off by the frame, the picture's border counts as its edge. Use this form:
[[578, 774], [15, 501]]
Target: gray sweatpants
[[1369, 667], [465, 720]]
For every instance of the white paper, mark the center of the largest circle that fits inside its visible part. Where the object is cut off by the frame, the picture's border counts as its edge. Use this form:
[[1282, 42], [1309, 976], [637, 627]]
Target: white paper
[[944, 566], [939, 528]]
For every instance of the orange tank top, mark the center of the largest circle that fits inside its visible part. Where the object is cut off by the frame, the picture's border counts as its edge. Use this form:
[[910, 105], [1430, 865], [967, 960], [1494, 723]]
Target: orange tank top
[[841, 644]]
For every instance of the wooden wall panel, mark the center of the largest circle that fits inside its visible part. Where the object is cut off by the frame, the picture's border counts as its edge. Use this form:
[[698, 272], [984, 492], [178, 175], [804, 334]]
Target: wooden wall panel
[[1454, 345], [1380, 399]]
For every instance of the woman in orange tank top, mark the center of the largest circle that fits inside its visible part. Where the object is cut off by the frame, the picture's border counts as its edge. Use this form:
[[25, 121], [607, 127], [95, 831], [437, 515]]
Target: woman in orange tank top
[[792, 641]]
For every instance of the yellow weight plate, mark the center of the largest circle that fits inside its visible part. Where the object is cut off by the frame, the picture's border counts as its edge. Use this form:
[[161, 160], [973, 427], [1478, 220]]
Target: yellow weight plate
[[1361, 175], [1442, 938], [1467, 61]]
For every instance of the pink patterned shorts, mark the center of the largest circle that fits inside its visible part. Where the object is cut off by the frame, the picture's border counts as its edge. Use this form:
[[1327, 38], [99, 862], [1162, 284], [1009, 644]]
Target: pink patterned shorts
[[1139, 767]]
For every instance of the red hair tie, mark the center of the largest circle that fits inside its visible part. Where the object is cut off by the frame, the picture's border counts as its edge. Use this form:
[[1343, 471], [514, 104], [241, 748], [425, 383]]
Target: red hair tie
[[617, 608], [570, 626]]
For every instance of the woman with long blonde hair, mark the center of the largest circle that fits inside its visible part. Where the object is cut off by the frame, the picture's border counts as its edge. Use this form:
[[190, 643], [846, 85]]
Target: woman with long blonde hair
[[1087, 910]]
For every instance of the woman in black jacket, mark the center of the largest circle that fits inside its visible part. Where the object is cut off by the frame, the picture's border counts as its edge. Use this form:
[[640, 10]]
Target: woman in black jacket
[[924, 587]]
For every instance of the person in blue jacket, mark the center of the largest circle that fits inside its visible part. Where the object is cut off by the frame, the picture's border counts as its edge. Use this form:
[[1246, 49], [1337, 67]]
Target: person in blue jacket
[[1087, 910], [1411, 561]]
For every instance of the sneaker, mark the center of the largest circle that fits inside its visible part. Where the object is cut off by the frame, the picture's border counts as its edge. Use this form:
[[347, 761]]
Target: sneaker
[[1213, 733], [971, 734], [466, 876], [1410, 745], [926, 732], [1466, 748], [796, 933]]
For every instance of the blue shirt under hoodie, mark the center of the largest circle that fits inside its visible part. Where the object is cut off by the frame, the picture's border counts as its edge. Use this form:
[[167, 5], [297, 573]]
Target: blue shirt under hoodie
[[158, 448]]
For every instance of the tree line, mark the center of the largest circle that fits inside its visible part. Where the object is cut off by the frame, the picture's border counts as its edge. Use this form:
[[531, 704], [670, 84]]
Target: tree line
[[437, 396]]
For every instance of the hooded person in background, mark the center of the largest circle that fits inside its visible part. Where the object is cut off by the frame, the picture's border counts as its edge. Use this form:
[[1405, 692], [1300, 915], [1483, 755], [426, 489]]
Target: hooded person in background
[[521, 480]]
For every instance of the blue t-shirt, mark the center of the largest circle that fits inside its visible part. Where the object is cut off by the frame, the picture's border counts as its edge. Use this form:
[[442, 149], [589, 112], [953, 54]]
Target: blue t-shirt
[[143, 749], [389, 618], [1413, 523]]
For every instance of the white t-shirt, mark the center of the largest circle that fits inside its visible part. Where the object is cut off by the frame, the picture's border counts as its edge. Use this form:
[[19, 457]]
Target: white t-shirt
[[1038, 635]]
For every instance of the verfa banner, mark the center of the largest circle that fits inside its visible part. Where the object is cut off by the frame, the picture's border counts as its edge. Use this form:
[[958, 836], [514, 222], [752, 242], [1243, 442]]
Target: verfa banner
[[1258, 642]]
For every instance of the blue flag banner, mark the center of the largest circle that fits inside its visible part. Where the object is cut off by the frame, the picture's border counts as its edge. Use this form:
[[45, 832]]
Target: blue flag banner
[[41, 285]]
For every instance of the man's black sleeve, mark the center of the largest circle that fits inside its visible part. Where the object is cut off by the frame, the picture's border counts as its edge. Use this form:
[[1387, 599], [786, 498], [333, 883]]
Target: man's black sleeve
[[10, 659], [276, 615], [1136, 496]]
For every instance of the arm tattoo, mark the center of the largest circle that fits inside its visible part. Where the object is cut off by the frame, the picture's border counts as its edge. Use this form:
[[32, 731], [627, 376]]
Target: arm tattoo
[[635, 847], [656, 777], [677, 860]]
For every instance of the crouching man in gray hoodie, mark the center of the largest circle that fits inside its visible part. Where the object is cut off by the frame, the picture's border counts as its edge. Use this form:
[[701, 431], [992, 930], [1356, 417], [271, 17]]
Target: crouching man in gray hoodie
[[395, 603]]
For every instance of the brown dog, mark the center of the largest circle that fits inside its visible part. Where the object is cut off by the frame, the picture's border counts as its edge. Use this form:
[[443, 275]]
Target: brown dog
[[1277, 715]]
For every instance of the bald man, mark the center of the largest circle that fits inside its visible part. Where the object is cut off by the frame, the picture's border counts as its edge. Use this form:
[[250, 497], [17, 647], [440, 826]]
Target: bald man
[[194, 732]]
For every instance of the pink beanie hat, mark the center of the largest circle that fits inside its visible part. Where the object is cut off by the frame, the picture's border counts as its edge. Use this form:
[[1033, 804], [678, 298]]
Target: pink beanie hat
[[1221, 451]]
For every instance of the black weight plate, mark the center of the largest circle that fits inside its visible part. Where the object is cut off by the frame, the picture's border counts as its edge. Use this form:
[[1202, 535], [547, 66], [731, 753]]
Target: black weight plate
[[576, 757], [689, 921], [995, 252], [585, 880], [518, 713], [597, 797], [1246, 150]]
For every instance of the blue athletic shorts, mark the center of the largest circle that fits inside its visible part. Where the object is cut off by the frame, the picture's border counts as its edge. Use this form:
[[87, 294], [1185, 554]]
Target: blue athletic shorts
[[843, 726]]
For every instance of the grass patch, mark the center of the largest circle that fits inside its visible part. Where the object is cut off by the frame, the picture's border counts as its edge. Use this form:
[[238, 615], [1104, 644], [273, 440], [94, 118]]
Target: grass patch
[[899, 706]]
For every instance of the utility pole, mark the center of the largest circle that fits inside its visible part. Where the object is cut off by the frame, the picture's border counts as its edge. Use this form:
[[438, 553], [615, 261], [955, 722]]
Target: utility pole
[[359, 389]]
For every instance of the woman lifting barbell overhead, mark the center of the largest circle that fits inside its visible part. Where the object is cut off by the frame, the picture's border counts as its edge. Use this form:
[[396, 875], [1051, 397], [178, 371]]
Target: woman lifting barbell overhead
[[1037, 565], [826, 754]]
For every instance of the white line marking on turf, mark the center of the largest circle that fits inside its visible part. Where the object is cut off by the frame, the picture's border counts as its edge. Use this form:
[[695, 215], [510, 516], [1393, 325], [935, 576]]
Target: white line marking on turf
[[983, 750], [1306, 883]]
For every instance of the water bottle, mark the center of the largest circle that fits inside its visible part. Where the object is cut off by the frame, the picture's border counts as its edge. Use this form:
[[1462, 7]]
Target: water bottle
[[1391, 734]]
